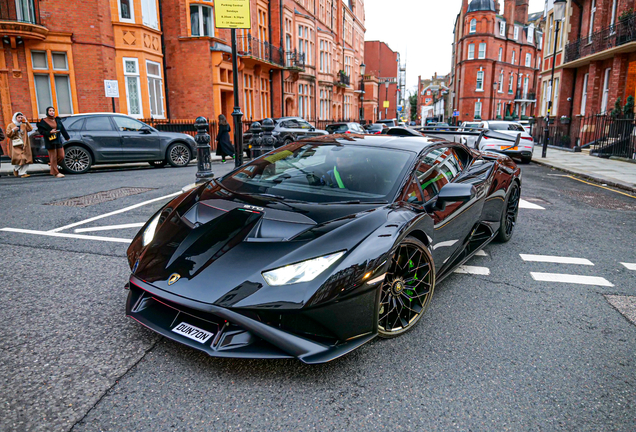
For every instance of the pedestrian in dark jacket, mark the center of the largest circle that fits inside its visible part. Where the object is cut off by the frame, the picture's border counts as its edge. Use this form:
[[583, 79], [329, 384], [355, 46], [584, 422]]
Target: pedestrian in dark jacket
[[224, 146], [1, 152], [52, 129]]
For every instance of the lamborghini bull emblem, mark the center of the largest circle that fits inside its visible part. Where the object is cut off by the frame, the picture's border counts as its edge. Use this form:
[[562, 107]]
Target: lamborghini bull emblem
[[173, 278]]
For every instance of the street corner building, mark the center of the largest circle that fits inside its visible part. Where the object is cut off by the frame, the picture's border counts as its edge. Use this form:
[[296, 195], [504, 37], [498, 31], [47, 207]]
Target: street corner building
[[496, 60], [300, 57]]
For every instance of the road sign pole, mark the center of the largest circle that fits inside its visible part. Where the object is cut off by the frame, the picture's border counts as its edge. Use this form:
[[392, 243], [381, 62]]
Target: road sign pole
[[237, 114], [113, 100]]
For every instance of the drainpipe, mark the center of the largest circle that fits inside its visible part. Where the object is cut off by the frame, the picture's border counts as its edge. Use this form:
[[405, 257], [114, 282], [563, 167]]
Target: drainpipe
[[577, 148], [163, 62], [282, 72], [271, 71]]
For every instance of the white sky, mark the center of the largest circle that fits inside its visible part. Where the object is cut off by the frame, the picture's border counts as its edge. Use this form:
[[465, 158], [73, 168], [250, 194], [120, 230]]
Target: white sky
[[420, 30]]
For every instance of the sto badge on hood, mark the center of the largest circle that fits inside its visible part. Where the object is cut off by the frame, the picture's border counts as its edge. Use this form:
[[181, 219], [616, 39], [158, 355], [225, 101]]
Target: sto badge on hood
[[173, 278]]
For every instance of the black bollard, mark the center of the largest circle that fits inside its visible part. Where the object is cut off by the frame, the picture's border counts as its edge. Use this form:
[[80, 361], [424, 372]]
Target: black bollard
[[256, 140], [268, 141], [204, 164]]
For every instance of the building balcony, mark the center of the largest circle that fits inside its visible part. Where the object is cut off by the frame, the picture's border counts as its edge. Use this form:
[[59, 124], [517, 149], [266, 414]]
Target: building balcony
[[603, 43], [248, 46], [295, 60], [343, 79], [522, 96], [21, 18]]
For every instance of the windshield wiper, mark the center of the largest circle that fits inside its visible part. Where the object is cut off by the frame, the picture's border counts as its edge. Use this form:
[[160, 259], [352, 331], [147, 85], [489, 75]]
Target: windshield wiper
[[357, 201]]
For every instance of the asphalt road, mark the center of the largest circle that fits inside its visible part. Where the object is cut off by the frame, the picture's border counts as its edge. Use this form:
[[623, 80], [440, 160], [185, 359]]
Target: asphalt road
[[497, 351]]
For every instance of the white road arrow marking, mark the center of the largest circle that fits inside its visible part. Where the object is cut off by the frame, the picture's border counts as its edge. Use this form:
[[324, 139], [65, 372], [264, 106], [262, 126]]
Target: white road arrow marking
[[528, 205], [569, 278], [466, 269], [629, 266], [555, 259]]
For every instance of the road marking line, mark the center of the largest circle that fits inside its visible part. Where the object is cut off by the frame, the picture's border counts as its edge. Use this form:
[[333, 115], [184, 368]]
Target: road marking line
[[111, 227], [466, 269], [65, 235], [555, 259], [125, 209], [573, 279], [528, 205], [599, 186], [626, 305], [630, 266], [481, 252]]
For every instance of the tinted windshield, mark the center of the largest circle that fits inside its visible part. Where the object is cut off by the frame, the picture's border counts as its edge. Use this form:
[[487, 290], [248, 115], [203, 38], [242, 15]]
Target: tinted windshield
[[323, 173], [337, 128]]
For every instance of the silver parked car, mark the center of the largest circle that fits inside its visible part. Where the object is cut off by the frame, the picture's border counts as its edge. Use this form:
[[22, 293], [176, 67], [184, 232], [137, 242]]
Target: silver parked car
[[526, 144]]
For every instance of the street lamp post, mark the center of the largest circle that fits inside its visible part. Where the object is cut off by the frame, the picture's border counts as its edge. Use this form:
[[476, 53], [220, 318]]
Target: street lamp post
[[363, 69], [559, 14], [494, 89], [386, 99], [237, 114], [204, 164]]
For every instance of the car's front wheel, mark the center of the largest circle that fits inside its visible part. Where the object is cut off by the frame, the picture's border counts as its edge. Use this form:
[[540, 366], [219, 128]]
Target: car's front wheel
[[158, 164], [509, 214], [77, 160], [407, 289], [179, 155]]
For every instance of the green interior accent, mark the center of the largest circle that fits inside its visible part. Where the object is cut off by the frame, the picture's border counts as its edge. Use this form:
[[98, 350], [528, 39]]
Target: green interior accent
[[425, 185], [338, 179]]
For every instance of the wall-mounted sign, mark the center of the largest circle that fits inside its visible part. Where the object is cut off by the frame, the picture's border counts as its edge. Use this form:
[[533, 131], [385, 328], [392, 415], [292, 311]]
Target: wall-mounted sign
[[232, 14], [111, 87], [386, 104]]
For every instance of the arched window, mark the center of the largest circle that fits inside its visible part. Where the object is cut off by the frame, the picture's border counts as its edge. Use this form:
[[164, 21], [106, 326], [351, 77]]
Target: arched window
[[201, 20], [473, 25]]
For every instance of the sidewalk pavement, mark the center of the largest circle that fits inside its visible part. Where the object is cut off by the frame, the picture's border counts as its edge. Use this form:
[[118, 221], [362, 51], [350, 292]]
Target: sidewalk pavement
[[614, 173]]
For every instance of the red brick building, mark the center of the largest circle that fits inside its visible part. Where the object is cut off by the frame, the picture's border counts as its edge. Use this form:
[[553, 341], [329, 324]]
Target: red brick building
[[301, 57], [596, 64], [428, 91], [383, 63], [495, 62]]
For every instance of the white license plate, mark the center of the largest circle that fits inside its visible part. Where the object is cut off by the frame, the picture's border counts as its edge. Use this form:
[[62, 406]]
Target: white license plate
[[192, 332]]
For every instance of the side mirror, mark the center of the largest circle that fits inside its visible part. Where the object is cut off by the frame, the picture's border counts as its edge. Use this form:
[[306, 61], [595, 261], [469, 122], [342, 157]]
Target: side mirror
[[145, 129], [311, 129], [455, 192]]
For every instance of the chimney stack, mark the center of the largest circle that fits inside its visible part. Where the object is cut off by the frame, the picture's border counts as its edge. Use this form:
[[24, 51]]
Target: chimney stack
[[521, 11], [509, 15]]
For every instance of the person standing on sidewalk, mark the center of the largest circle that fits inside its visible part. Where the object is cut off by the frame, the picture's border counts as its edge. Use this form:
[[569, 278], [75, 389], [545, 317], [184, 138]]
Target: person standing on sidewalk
[[224, 146], [52, 129], [19, 145], [1, 152]]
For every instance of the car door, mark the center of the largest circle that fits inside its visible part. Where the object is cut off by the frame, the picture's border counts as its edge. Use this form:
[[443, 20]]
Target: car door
[[454, 223], [100, 135], [139, 141]]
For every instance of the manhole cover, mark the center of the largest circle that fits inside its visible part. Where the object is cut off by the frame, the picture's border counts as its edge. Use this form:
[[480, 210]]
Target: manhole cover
[[100, 197], [601, 201]]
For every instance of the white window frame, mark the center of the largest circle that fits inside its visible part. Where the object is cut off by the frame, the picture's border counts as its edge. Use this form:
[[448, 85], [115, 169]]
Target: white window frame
[[132, 12], [138, 76], [528, 60], [605, 97], [53, 63], [540, 40], [499, 109], [472, 27], [501, 78], [70, 93], [500, 53], [591, 24], [516, 33], [159, 102], [200, 6], [531, 34], [584, 93], [471, 52], [514, 57], [613, 19], [482, 53], [526, 81], [479, 86], [48, 78], [45, 56], [510, 83], [502, 28], [149, 14], [477, 111]]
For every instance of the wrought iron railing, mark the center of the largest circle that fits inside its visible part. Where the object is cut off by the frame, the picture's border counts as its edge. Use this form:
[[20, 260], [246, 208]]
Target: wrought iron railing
[[25, 11], [521, 95], [262, 50], [343, 78], [615, 35], [295, 60]]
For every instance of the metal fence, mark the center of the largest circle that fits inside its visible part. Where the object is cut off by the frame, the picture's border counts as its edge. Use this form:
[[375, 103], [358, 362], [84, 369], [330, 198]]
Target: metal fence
[[263, 50], [604, 135]]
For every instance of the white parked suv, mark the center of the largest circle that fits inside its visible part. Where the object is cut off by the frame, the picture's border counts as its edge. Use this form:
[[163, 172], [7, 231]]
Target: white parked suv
[[526, 143]]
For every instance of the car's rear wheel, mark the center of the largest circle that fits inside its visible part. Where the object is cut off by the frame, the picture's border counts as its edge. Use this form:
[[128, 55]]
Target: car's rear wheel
[[158, 164], [509, 214], [407, 289], [77, 160], [179, 155], [526, 159]]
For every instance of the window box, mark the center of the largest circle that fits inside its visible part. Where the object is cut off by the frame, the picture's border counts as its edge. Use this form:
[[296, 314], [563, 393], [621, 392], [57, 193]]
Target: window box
[[564, 120]]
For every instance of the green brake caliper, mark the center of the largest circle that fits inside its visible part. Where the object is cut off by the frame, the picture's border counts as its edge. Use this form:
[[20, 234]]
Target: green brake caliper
[[408, 291]]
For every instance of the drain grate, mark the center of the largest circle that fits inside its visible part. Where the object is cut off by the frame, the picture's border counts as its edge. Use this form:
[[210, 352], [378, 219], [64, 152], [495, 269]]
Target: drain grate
[[100, 197]]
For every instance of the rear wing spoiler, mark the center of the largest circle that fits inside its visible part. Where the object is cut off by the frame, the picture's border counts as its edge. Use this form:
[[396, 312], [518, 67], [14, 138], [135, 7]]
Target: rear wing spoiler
[[458, 134]]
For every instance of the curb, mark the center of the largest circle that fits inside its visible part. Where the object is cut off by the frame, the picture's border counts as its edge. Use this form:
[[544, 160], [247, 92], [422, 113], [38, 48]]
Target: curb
[[614, 183]]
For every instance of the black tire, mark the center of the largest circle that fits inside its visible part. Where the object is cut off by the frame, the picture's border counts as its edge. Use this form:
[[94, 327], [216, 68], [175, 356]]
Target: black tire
[[288, 141], [405, 295], [509, 214], [77, 160], [178, 155], [526, 159], [158, 164]]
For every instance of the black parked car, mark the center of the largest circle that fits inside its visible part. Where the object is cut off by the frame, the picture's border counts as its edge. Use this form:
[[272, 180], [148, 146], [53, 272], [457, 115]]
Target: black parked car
[[376, 128], [116, 138], [287, 130], [318, 247], [349, 127]]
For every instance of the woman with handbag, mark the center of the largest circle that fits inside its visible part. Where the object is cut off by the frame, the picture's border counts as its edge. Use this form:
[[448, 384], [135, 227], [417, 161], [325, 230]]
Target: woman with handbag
[[52, 129], [19, 145]]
